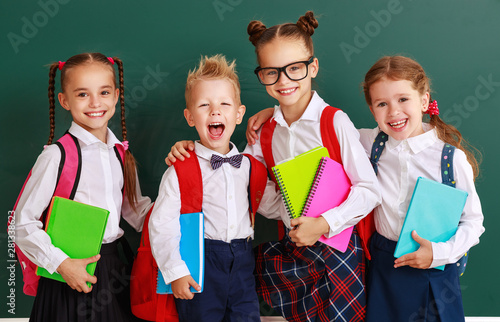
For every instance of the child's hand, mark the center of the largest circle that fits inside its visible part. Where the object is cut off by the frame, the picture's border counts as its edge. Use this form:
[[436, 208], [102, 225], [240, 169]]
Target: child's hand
[[179, 151], [422, 258], [74, 272], [308, 230], [255, 122], [180, 287]]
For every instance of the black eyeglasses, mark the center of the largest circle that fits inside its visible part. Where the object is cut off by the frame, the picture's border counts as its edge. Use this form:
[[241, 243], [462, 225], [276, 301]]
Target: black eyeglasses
[[294, 71]]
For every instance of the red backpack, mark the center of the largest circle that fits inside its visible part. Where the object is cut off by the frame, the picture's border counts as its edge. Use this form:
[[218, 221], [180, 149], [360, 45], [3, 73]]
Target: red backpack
[[68, 177], [366, 227], [145, 303]]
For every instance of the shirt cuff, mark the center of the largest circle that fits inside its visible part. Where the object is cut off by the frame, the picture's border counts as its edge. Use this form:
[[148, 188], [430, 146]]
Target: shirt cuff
[[58, 256], [336, 224], [440, 254], [174, 273]]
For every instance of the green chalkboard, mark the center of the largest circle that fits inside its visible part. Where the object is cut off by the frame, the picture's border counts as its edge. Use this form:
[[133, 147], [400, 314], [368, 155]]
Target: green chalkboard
[[159, 41]]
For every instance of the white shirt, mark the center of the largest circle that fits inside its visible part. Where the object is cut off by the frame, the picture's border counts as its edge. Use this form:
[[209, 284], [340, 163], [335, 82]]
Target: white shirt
[[100, 185], [400, 164], [225, 207], [305, 134]]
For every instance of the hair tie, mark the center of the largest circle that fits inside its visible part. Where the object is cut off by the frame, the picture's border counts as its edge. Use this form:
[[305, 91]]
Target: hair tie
[[61, 64], [125, 145], [433, 108], [111, 60]]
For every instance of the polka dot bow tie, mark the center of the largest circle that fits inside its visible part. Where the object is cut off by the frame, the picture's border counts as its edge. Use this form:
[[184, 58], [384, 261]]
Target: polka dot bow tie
[[217, 161]]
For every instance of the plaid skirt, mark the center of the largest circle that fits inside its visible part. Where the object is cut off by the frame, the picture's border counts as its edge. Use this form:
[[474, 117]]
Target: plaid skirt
[[314, 283]]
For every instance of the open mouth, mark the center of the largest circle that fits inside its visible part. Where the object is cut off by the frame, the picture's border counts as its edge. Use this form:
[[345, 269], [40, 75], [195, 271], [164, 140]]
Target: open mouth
[[398, 124], [95, 114], [216, 130]]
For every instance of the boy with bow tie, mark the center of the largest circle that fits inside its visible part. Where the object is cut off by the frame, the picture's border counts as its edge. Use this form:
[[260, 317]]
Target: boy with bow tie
[[233, 185]]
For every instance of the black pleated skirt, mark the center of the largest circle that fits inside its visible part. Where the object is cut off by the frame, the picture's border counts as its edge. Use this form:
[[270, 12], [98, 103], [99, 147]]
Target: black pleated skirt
[[108, 301]]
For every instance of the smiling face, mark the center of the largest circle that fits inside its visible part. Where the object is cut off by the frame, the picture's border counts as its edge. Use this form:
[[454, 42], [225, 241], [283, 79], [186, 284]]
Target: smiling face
[[292, 95], [398, 107], [90, 95], [214, 110]]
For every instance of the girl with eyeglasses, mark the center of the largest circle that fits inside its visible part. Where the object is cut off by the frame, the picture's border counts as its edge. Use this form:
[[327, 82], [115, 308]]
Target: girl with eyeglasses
[[301, 278]]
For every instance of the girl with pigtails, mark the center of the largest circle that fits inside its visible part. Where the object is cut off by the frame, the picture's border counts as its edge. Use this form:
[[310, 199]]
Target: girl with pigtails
[[106, 180], [301, 278]]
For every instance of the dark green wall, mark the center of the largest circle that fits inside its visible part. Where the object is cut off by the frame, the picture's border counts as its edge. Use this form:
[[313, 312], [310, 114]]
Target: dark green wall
[[159, 41]]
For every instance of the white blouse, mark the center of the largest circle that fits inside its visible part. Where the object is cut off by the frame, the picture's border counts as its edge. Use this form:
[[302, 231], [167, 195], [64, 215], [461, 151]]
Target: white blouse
[[400, 164], [305, 134], [100, 185]]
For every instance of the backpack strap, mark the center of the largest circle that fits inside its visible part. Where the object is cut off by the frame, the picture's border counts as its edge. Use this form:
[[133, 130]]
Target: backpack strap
[[377, 148], [70, 166], [256, 186], [448, 179], [447, 165], [190, 184], [266, 138], [120, 155], [328, 135]]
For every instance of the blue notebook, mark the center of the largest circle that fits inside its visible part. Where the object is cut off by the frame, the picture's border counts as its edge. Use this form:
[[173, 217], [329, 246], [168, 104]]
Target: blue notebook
[[434, 212], [192, 248]]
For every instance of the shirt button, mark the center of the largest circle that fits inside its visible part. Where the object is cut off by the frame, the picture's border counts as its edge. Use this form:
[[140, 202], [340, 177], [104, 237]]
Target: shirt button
[[230, 197], [232, 227]]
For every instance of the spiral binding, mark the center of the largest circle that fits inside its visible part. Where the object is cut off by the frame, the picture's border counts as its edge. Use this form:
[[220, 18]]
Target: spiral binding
[[314, 187], [284, 194]]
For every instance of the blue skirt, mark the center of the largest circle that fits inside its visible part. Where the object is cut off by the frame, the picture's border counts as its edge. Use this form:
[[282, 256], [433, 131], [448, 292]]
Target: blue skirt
[[410, 294]]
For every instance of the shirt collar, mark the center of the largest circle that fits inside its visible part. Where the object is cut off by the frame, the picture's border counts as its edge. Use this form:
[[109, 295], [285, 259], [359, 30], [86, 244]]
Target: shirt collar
[[312, 112], [86, 138], [417, 143], [206, 153]]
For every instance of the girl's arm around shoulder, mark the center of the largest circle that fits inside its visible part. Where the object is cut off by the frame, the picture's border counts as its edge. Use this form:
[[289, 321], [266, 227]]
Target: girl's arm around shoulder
[[36, 196], [164, 228], [470, 227], [364, 194]]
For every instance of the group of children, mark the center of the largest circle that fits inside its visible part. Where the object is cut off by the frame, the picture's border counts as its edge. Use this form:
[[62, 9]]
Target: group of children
[[301, 278]]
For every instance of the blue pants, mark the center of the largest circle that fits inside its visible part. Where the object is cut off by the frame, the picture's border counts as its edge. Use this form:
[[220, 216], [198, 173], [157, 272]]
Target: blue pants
[[229, 291], [407, 294]]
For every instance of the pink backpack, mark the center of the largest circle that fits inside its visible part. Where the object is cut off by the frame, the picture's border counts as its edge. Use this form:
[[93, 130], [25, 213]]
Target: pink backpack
[[67, 182]]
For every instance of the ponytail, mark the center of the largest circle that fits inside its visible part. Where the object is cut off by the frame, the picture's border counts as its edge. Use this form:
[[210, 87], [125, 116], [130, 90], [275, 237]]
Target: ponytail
[[449, 134], [130, 163], [52, 101]]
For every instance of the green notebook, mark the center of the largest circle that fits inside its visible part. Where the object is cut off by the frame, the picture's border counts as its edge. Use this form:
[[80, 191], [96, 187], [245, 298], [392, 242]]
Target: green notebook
[[295, 178], [77, 229]]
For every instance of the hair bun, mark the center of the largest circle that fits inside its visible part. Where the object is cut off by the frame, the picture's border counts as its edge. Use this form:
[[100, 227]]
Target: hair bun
[[255, 29], [308, 23]]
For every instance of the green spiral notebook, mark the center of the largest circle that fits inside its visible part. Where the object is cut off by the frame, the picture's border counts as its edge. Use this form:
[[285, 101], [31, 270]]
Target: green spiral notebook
[[77, 229], [295, 178]]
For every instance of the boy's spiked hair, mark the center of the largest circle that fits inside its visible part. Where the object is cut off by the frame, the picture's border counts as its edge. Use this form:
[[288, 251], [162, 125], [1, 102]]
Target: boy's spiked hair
[[214, 68]]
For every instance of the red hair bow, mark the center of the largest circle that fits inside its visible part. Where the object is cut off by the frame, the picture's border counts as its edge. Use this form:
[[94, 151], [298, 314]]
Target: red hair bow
[[433, 108]]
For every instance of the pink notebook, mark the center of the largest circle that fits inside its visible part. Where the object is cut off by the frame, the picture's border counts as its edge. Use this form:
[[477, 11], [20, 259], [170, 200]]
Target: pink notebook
[[330, 188]]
